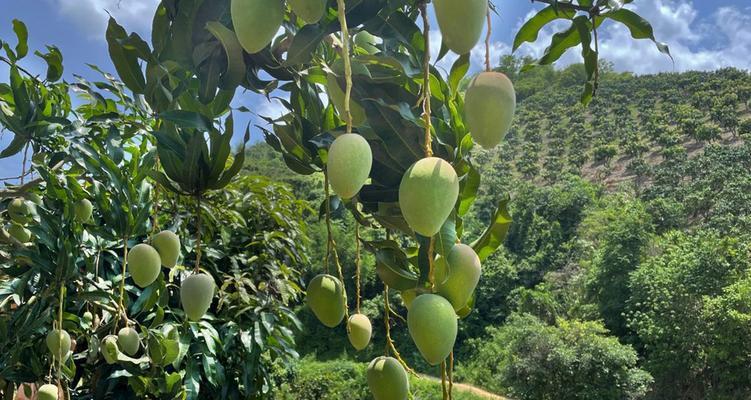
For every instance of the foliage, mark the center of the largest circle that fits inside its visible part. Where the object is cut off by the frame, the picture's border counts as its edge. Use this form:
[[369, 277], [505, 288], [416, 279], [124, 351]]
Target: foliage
[[529, 359]]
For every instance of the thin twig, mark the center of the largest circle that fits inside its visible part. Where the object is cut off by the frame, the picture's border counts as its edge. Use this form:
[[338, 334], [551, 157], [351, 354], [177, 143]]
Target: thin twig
[[451, 375], [123, 314], [20, 68], [357, 266], [487, 42], [426, 81], [347, 64], [332, 244], [199, 234], [390, 347]]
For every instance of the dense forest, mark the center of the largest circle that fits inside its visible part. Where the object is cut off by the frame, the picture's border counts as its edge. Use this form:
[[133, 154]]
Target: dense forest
[[626, 270]]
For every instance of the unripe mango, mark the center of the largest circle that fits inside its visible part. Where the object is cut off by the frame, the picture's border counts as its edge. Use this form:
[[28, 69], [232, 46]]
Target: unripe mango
[[489, 107], [47, 392], [310, 11], [19, 211], [196, 294], [256, 22], [145, 264], [433, 325], [19, 233], [359, 331], [457, 275], [427, 194], [58, 342], [461, 22], [83, 210], [167, 244], [325, 297], [128, 341], [387, 379], [336, 95], [348, 165], [109, 349]]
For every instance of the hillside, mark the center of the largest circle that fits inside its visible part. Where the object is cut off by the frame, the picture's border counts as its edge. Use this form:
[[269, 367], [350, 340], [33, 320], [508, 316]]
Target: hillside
[[628, 253]]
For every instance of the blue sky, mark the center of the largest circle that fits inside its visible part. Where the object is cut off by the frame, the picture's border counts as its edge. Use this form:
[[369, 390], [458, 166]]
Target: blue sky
[[702, 34]]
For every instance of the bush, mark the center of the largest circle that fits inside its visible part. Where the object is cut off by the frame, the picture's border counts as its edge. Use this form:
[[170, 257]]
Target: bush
[[528, 359]]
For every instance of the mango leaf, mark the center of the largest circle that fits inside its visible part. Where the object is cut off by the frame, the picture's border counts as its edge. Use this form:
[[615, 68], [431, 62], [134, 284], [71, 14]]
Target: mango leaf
[[54, 60], [458, 71], [495, 234], [124, 59], [22, 48], [187, 119], [446, 238], [531, 29], [392, 265], [639, 27], [590, 57], [304, 44], [235, 72]]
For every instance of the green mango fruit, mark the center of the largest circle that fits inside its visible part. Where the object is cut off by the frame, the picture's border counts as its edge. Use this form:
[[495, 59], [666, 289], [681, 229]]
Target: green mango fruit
[[256, 22], [19, 211], [359, 331], [367, 42], [58, 342], [457, 275], [167, 244], [460, 23], [87, 317], [310, 11], [196, 294], [336, 95], [47, 392], [19, 233], [109, 349], [387, 379], [427, 194], [145, 264], [325, 297], [433, 325], [348, 165], [82, 210], [489, 107], [128, 340]]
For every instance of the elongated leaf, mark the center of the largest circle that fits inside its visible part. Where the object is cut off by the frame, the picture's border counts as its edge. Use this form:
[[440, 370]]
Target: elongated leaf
[[495, 234], [304, 44], [639, 27], [531, 29], [54, 60], [22, 48], [187, 119], [458, 71], [235, 64], [392, 265], [125, 60]]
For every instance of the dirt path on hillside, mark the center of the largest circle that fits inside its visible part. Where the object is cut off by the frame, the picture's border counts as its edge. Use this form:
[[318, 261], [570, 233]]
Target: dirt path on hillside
[[463, 387]]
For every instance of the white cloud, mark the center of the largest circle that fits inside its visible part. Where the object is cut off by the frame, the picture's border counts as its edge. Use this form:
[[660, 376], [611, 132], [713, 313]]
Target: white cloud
[[90, 16]]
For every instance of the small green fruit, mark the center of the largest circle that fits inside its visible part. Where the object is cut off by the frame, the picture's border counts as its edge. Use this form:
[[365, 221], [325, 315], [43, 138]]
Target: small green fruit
[[109, 349], [427, 194], [433, 325], [87, 317], [128, 341], [489, 105], [367, 42], [58, 342], [457, 275], [256, 22], [460, 23], [336, 95], [387, 379], [408, 296], [145, 264], [167, 244], [19, 211], [47, 392], [348, 165], [325, 296], [19, 233], [83, 210], [196, 294], [310, 11], [359, 331]]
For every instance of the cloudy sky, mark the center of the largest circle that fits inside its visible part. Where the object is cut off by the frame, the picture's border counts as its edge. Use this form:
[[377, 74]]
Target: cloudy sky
[[702, 35]]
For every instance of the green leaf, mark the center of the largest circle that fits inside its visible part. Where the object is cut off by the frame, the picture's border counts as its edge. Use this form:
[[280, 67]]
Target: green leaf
[[531, 29], [187, 119], [446, 238], [54, 60], [639, 27], [495, 234], [392, 265], [458, 71], [304, 44], [22, 48], [590, 57], [124, 59], [235, 72]]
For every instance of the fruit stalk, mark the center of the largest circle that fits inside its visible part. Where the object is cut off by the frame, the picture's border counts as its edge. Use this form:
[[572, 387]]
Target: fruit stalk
[[122, 281], [426, 81], [444, 387], [487, 43], [347, 64], [390, 348], [451, 375], [199, 224], [357, 267], [155, 208], [331, 245]]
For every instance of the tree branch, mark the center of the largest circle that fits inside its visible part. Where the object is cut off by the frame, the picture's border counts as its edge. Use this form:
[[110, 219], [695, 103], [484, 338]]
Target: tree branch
[[19, 190]]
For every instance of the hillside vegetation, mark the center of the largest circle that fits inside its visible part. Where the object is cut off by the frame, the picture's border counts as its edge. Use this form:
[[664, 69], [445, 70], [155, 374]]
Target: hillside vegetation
[[626, 270]]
